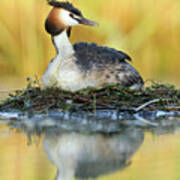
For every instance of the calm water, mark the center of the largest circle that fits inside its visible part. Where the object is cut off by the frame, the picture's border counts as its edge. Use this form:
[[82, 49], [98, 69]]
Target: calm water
[[33, 151], [48, 149]]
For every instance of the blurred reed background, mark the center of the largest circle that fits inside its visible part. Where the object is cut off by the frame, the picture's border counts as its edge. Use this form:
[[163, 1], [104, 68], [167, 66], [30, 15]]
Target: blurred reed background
[[149, 31]]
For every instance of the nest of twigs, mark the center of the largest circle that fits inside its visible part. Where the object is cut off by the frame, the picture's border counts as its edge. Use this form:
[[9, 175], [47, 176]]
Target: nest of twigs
[[36, 99]]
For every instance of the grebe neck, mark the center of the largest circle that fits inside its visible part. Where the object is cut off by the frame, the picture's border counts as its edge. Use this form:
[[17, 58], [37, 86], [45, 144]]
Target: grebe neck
[[62, 44]]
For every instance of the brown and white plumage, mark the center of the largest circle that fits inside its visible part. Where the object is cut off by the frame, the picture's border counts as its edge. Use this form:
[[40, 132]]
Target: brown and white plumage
[[83, 65]]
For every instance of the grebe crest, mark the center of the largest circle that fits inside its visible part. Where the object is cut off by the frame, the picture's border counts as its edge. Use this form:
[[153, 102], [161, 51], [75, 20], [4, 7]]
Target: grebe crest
[[83, 65]]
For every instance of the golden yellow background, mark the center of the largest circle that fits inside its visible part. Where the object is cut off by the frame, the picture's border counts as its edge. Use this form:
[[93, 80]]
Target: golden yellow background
[[149, 31]]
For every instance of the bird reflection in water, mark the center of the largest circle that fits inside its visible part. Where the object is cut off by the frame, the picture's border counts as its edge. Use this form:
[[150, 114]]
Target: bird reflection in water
[[85, 154], [90, 156]]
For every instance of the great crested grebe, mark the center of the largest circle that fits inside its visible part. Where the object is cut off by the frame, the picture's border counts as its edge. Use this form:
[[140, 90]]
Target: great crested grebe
[[83, 65]]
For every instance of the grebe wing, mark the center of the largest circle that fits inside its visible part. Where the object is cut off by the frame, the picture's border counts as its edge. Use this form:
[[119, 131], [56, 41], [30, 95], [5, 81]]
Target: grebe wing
[[88, 55]]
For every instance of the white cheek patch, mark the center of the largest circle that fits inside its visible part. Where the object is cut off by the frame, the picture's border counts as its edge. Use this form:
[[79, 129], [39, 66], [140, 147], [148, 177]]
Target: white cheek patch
[[66, 19]]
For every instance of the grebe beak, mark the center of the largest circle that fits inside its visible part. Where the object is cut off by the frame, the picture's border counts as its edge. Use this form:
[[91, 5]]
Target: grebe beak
[[87, 22]]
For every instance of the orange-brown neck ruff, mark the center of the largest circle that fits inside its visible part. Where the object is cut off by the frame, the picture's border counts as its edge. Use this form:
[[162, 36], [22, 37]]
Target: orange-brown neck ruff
[[54, 25]]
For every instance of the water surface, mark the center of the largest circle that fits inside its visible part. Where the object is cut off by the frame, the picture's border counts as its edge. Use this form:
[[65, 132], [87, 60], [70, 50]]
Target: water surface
[[33, 151]]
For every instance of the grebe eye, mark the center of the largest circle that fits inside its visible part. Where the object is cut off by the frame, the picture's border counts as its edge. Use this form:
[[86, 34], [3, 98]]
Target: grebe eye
[[71, 15]]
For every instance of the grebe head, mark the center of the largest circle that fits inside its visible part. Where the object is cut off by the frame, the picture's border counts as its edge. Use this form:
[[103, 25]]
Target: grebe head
[[64, 15]]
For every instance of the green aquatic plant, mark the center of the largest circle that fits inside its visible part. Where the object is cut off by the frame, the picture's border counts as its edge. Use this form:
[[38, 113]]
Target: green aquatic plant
[[36, 99]]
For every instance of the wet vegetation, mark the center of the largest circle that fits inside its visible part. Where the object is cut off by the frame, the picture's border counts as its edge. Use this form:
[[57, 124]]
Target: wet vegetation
[[35, 99]]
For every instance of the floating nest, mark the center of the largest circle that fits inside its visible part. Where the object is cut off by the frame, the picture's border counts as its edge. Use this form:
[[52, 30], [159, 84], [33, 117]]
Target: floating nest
[[35, 99]]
